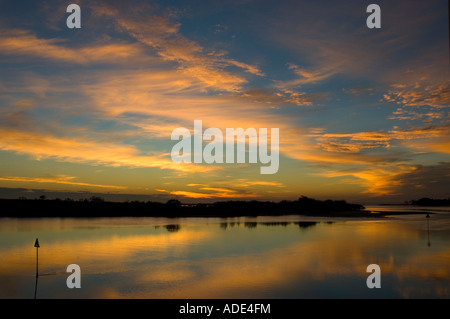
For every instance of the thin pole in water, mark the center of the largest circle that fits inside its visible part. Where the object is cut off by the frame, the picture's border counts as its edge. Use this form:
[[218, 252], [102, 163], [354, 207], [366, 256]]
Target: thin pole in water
[[36, 244]]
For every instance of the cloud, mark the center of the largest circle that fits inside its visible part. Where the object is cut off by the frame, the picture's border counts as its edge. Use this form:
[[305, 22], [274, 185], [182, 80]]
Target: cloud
[[83, 150], [399, 179], [58, 179], [410, 114], [277, 98], [359, 91], [436, 95], [426, 181], [230, 189], [211, 193], [351, 142], [350, 147], [18, 42], [252, 69], [379, 173], [355, 142], [250, 183], [162, 34], [379, 180], [218, 189], [427, 132], [313, 75]]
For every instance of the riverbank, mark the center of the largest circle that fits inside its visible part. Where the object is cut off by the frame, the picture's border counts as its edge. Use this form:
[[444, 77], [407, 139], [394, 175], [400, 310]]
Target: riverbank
[[96, 207]]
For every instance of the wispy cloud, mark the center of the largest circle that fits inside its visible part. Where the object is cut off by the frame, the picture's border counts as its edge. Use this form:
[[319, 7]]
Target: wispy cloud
[[83, 150], [18, 42], [427, 116], [239, 188], [162, 34], [377, 172], [211, 193], [58, 179], [436, 94], [434, 139], [380, 180], [249, 183], [353, 143]]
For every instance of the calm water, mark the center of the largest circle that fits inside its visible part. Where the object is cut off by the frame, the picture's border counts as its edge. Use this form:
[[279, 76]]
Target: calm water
[[283, 257]]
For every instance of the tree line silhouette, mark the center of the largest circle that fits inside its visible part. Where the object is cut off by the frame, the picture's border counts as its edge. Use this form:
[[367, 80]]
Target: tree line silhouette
[[97, 207], [431, 202]]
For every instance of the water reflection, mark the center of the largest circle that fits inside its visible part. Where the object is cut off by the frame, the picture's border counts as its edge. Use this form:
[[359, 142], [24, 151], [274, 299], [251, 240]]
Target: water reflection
[[237, 258], [225, 225], [250, 224], [173, 228], [35, 287]]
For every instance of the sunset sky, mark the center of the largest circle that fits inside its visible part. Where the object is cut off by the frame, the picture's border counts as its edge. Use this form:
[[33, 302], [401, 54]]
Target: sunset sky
[[363, 114]]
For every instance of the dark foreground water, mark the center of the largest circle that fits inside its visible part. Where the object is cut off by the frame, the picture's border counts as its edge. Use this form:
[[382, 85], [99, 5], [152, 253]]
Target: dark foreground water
[[280, 257]]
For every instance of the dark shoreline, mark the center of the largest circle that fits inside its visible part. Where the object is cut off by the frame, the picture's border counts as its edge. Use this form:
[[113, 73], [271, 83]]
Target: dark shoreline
[[97, 207]]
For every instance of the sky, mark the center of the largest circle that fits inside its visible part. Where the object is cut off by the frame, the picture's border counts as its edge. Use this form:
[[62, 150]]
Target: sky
[[363, 114]]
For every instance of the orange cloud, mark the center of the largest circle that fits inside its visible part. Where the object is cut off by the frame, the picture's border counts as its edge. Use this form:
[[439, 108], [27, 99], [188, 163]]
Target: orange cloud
[[435, 94], [191, 194], [379, 180], [354, 142], [428, 132], [237, 188], [212, 192], [377, 174], [81, 150], [307, 76], [59, 179], [351, 142], [218, 189], [249, 183], [441, 145], [162, 34], [23, 42]]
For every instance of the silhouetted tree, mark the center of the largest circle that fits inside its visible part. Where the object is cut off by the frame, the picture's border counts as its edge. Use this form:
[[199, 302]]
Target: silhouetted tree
[[173, 203], [96, 199]]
